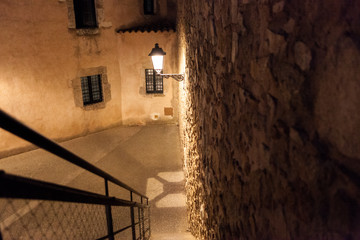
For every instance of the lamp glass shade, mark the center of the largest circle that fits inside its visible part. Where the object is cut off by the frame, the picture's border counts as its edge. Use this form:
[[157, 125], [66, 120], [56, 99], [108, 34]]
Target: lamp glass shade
[[157, 57], [158, 63]]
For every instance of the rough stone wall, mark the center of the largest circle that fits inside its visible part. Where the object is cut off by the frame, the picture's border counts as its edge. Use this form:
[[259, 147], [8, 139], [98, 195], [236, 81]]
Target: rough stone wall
[[272, 127]]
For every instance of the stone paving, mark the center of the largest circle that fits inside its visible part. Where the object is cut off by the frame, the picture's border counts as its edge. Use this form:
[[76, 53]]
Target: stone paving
[[147, 158]]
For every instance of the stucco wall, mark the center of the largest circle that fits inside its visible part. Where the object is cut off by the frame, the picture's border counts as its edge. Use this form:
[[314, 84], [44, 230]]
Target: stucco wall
[[272, 127], [43, 57], [131, 13], [138, 107], [40, 57]]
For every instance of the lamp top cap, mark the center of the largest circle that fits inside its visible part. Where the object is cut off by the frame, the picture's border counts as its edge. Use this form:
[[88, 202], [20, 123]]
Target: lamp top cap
[[156, 51]]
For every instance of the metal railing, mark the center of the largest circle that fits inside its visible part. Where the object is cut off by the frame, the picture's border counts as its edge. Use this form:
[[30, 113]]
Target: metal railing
[[52, 200]]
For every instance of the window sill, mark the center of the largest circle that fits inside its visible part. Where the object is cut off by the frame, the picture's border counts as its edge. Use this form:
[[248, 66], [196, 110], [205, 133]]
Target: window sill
[[157, 94], [88, 31], [94, 106]]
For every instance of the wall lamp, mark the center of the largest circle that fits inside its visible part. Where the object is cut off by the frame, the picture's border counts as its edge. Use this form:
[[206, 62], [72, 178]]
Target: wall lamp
[[157, 57]]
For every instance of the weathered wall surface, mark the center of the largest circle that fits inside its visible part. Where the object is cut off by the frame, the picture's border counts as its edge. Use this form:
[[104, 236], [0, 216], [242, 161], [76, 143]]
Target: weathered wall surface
[[40, 59], [138, 107], [43, 57], [272, 129], [131, 13]]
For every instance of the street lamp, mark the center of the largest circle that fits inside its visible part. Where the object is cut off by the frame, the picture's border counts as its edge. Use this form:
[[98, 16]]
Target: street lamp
[[157, 57]]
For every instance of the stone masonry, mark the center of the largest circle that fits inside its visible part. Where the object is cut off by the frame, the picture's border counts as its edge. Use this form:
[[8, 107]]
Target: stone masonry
[[272, 128]]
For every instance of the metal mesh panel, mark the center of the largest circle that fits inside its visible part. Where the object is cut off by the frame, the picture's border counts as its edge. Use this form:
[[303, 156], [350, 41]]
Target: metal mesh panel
[[32, 219], [121, 217], [58, 218]]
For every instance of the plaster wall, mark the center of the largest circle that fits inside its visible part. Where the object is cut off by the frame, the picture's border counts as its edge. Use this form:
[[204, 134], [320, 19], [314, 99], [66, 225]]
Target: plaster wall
[[138, 107], [43, 57], [131, 13], [40, 58], [271, 126]]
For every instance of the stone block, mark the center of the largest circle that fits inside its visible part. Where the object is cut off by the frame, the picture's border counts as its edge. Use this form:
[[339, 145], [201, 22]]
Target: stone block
[[289, 26], [278, 7], [302, 56], [276, 42]]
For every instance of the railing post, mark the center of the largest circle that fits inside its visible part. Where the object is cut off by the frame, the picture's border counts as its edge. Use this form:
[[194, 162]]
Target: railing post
[[143, 219], [108, 214], [17, 128], [148, 209], [132, 218], [139, 223]]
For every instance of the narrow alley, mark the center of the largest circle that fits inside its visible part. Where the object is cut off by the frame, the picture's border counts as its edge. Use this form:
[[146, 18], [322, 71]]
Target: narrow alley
[[209, 119]]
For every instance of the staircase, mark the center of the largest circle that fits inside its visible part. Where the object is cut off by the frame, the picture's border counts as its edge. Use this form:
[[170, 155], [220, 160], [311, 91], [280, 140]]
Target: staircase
[[33, 209], [133, 154]]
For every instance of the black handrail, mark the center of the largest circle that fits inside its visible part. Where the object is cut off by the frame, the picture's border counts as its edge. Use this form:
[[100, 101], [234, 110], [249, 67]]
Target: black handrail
[[13, 186], [19, 129], [17, 187]]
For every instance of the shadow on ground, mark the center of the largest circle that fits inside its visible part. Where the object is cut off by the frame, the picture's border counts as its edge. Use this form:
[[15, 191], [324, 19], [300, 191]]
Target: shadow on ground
[[146, 158]]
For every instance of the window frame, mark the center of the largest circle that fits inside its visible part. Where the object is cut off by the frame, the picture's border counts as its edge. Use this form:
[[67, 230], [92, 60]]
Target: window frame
[[79, 15], [155, 79], [90, 89]]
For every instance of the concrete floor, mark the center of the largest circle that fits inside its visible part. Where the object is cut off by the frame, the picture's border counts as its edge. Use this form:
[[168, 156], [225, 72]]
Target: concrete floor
[[147, 158]]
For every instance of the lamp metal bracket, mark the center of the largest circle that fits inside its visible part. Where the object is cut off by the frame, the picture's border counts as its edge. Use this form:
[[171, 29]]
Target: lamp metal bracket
[[177, 77]]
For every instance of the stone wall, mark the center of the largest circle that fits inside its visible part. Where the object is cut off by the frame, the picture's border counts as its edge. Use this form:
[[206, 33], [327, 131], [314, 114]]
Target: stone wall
[[272, 126]]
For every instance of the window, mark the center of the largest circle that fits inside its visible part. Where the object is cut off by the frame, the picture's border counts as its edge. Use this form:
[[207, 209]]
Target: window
[[148, 7], [91, 89], [154, 82], [85, 15]]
